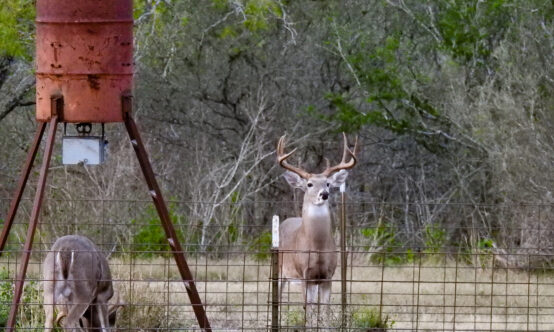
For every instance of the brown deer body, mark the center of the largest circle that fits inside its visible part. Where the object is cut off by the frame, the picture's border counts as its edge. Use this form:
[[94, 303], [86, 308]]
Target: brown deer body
[[78, 283], [307, 247]]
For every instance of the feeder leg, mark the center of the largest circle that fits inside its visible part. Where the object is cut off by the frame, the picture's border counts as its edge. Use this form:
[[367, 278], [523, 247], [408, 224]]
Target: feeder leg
[[34, 221], [21, 185], [161, 207]]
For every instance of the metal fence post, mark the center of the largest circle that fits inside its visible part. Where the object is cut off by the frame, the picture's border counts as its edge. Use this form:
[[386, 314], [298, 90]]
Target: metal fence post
[[275, 275], [343, 256]]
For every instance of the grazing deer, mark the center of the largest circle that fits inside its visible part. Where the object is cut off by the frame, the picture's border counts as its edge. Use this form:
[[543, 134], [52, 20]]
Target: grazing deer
[[307, 250], [77, 282]]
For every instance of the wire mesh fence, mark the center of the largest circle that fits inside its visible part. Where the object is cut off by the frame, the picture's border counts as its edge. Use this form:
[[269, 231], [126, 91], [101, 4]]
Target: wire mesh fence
[[410, 267]]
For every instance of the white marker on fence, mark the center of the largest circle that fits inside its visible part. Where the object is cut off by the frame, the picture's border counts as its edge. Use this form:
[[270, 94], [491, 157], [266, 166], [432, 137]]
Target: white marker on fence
[[342, 187], [275, 232]]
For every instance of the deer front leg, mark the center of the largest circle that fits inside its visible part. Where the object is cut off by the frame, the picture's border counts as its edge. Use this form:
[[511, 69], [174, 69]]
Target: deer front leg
[[311, 304], [325, 292], [325, 312], [49, 316], [102, 309]]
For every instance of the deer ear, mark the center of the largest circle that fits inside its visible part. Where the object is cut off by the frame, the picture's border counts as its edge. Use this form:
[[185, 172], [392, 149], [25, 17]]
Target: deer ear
[[338, 178], [295, 180]]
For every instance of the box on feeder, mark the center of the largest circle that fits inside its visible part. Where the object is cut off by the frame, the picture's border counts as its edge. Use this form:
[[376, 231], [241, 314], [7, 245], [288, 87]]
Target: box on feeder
[[83, 148]]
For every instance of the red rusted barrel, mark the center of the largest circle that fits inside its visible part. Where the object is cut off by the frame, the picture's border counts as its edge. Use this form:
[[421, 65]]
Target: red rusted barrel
[[84, 52]]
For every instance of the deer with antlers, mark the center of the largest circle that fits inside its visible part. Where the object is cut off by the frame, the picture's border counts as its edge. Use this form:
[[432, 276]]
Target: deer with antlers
[[78, 283], [307, 250]]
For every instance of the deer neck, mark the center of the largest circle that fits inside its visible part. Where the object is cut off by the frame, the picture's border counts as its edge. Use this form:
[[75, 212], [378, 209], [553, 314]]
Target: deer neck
[[316, 226]]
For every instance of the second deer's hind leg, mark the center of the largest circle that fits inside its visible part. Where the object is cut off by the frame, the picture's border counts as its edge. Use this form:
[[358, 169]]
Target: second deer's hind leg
[[48, 306]]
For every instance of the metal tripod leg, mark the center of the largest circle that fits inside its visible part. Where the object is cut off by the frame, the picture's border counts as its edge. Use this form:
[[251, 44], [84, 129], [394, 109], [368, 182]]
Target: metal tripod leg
[[34, 219], [21, 185], [161, 207]]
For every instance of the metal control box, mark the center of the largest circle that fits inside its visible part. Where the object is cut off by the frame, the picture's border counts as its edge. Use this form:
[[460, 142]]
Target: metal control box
[[88, 150]]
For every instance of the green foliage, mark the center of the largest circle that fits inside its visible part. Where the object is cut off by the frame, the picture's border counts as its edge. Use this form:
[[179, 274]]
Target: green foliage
[[150, 238], [390, 83], [258, 13], [385, 246], [261, 246], [478, 253], [233, 230], [6, 295], [485, 244], [435, 239], [257, 16], [471, 29], [158, 14], [370, 318], [294, 317], [31, 313], [139, 7], [390, 100], [16, 28]]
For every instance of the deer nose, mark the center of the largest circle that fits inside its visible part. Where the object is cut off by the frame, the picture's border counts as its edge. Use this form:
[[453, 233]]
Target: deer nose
[[324, 195]]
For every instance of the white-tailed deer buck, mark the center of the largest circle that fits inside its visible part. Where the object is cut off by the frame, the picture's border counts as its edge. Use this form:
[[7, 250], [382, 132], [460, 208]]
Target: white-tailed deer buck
[[78, 283], [307, 250]]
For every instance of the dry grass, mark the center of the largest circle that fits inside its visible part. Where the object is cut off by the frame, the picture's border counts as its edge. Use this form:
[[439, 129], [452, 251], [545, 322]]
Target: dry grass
[[423, 296]]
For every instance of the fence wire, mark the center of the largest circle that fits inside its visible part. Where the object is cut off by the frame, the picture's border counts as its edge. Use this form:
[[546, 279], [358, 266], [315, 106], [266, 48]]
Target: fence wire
[[410, 267]]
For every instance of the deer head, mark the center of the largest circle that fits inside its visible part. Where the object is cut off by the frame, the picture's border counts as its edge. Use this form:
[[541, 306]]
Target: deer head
[[316, 187], [90, 319]]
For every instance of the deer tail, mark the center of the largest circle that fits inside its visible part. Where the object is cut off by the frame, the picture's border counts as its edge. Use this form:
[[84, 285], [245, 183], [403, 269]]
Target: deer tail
[[64, 260]]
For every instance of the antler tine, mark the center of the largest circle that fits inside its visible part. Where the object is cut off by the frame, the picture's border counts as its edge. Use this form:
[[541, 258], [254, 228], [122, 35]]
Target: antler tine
[[345, 152], [281, 158]]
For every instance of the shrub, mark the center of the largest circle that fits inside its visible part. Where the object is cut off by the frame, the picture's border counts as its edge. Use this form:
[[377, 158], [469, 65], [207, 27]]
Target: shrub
[[261, 246], [6, 293], [31, 314], [370, 319], [435, 239], [384, 246], [150, 239]]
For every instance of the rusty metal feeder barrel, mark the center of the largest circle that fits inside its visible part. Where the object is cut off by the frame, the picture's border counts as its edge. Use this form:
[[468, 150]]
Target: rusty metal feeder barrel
[[84, 52]]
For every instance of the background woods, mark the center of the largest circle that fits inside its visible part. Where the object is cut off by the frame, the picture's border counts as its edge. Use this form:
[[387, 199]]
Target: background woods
[[452, 101]]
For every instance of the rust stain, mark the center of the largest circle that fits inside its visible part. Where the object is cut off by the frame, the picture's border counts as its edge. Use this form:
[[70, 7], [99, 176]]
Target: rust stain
[[93, 82]]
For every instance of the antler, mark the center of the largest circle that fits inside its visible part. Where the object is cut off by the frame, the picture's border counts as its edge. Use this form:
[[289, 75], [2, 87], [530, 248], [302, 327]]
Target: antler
[[281, 158], [343, 164]]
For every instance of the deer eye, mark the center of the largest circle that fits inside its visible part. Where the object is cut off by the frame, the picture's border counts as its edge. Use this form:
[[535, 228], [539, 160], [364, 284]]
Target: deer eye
[[310, 185], [328, 184]]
